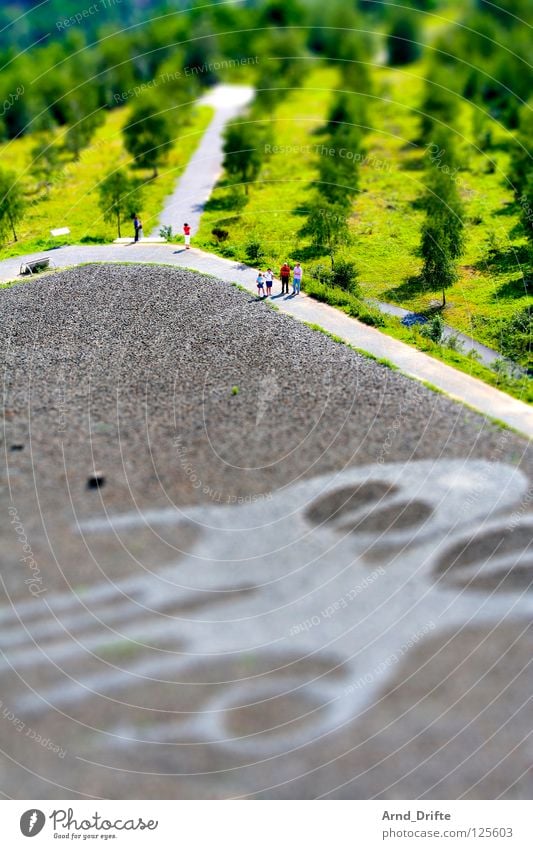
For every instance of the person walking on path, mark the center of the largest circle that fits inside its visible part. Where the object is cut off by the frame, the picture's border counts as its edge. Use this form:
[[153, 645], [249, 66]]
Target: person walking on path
[[138, 227], [269, 277], [260, 285], [187, 234], [297, 279], [285, 273]]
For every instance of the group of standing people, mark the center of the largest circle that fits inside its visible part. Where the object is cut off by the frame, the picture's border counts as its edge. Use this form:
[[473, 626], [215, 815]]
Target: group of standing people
[[266, 278]]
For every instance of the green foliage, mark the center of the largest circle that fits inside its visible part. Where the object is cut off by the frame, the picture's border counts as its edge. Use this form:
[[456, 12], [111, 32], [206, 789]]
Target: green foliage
[[83, 117], [284, 49], [220, 234], [119, 198], [439, 105], [497, 46], [327, 226], [45, 160], [433, 329], [522, 150], [337, 32], [439, 270], [147, 136], [348, 302], [517, 339], [344, 110], [442, 151], [12, 204], [445, 212], [254, 250], [455, 344], [443, 230], [338, 169], [526, 207], [344, 276]]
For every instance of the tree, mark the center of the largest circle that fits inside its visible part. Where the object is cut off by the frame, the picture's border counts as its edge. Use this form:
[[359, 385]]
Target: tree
[[344, 276], [516, 340], [147, 136], [338, 167], [120, 197], [439, 104], [403, 42], [526, 206], [442, 198], [12, 203], [84, 117], [244, 149], [45, 161], [443, 202], [327, 226], [346, 109]]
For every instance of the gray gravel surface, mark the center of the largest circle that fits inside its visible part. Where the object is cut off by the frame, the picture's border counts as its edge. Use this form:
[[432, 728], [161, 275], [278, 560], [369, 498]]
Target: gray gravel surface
[[182, 390]]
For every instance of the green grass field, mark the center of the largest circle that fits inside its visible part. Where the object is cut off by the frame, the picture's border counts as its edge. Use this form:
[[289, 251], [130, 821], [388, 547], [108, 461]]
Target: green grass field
[[72, 200]]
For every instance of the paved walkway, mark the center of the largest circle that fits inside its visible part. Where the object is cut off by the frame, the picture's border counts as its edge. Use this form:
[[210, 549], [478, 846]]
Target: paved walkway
[[193, 189], [459, 385]]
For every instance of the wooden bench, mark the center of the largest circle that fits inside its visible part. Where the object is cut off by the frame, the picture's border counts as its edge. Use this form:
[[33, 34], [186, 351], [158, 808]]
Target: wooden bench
[[33, 266]]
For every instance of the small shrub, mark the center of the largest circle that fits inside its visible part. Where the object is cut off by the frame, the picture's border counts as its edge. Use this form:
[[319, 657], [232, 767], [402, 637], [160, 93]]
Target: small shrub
[[321, 272], [354, 310], [373, 319], [516, 337], [234, 390], [454, 343], [501, 367], [166, 232], [403, 41], [344, 276], [254, 250]]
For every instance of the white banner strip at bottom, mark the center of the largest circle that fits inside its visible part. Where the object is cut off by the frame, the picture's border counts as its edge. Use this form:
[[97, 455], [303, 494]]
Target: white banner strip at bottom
[[269, 824]]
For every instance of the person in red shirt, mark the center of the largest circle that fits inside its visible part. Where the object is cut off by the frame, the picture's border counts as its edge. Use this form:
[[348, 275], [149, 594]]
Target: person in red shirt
[[187, 234], [285, 274]]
